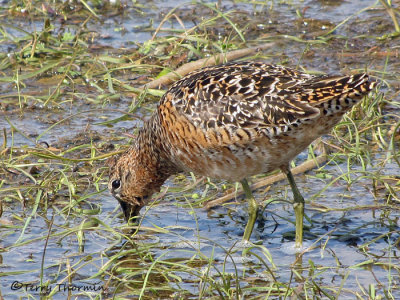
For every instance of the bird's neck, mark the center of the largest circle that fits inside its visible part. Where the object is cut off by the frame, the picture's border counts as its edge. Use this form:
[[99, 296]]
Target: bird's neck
[[152, 147]]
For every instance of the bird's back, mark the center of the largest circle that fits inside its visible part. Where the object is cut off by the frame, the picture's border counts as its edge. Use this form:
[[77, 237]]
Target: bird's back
[[240, 119]]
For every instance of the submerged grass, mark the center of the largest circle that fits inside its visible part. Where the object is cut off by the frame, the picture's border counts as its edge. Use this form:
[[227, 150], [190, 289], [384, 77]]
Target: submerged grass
[[68, 91]]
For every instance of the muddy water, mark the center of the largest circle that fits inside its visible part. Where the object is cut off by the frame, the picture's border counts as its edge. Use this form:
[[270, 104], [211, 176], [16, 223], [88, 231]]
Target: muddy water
[[221, 228]]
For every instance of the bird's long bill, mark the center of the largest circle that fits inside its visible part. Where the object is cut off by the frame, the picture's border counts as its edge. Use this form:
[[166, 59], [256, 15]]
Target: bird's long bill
[[131, 211]]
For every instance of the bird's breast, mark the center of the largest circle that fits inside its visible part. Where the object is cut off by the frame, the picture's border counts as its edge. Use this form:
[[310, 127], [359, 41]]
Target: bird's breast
[[222, 154]]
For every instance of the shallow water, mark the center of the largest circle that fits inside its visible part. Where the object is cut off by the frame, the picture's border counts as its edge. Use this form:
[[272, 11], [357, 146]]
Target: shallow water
[[332, 242]]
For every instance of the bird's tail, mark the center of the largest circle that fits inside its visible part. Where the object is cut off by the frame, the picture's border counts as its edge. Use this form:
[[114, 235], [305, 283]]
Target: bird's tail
[[343, 91]]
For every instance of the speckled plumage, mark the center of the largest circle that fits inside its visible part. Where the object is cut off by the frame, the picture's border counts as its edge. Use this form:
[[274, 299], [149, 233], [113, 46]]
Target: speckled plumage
[[230, 122]]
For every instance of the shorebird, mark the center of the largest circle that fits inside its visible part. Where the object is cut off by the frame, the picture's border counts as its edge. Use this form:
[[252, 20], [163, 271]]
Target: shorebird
[[230, 122]]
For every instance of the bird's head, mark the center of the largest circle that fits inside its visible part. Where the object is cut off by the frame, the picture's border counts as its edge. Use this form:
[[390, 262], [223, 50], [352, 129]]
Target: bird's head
[[133, 179]]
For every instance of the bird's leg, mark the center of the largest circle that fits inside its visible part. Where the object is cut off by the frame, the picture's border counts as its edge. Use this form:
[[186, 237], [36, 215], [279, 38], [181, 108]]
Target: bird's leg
[[253, 210], [298, 205]]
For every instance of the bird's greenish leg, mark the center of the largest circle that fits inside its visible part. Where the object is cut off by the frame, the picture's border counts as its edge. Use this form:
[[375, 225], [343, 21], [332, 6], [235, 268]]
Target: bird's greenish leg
[[253, 210], [298, 206]]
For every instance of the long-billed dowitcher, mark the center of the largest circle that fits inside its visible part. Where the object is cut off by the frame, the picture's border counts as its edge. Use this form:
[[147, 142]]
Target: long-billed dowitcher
[[230, 122]]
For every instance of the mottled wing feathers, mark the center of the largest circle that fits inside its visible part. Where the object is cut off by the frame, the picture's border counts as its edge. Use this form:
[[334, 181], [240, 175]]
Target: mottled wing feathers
[[240, 95], [258, 96]]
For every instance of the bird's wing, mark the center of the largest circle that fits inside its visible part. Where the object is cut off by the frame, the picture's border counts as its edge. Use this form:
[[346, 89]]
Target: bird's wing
[[241, 96]]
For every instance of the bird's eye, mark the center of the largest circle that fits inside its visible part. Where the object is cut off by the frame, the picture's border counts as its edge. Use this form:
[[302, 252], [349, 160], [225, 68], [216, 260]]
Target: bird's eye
[[116, 184]]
